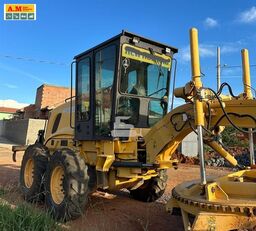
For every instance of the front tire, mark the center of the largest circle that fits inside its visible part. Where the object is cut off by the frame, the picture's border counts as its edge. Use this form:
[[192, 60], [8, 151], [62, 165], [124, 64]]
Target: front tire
[[152, 189], [66, 185], [32, 172]]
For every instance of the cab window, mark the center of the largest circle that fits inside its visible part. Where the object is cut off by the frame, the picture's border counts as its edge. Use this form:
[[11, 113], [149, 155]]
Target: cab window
[[83, 90], [105, 62]]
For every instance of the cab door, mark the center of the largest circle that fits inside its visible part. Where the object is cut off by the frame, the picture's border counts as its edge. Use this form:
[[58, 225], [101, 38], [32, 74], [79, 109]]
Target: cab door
[[105, 72], [83, 109]]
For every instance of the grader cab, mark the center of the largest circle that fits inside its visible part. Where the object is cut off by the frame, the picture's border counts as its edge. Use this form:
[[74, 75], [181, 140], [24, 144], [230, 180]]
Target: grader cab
[[126, 79]]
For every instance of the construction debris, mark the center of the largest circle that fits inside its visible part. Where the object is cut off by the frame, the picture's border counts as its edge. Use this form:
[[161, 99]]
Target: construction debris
[[240, 153], [185, 159]]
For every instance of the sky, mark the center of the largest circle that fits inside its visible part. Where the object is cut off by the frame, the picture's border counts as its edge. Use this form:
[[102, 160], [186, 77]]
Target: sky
[[66, 28]]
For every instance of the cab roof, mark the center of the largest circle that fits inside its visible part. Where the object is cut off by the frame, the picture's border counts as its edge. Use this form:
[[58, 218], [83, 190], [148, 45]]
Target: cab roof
[[131, 35]]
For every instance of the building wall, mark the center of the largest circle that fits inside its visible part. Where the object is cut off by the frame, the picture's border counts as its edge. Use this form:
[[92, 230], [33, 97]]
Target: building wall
[[4, 115], [23, 131], [189, 145], [39, 93], [29, 111], [1, 127], [16, 130], [48, 95], [33, 126]]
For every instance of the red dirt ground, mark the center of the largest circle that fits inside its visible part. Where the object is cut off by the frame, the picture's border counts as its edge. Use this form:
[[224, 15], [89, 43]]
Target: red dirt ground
[[115, 210]]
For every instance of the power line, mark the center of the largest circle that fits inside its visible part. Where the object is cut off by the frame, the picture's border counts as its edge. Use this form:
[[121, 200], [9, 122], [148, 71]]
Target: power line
[[235, 66], [34, 60], [233, 76]]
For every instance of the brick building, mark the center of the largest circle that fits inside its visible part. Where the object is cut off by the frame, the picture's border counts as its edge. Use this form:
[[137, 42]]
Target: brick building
[[47, 98], [7, 113]]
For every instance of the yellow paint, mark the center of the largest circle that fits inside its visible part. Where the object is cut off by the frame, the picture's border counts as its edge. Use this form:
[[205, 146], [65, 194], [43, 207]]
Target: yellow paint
[[143, 55], [246, 74], [196, 75], [225, 154], [20, 8], [223, 222], [29, 173], [56, 185], [215, 192], [222, 204]]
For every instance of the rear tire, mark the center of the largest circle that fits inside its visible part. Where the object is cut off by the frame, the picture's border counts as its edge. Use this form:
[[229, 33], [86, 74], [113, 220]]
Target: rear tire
[[92, 184], [152, 189], [32, 172], [66, 185]]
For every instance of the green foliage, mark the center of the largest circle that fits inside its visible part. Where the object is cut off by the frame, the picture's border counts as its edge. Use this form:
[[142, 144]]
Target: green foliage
[[230, 139], [207, 148], [25, 218], [2, 192]]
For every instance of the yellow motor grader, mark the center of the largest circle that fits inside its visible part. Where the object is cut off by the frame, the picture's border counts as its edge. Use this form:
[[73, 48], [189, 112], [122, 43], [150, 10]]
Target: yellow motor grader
[[116, 132]]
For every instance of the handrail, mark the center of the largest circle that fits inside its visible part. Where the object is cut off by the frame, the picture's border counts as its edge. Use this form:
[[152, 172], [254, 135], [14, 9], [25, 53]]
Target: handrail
[[71, 95]]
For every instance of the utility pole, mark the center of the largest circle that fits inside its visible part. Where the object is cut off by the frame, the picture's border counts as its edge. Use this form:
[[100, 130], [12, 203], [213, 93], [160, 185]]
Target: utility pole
[[218, 68]]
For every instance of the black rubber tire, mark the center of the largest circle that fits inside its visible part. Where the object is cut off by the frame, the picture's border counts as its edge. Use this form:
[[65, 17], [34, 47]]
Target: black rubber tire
[[92, 184], [152, 189], [74, 182], [39, 154]]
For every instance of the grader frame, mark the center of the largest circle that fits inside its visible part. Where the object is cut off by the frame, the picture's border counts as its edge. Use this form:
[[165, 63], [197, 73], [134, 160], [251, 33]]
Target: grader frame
[[75, 160]]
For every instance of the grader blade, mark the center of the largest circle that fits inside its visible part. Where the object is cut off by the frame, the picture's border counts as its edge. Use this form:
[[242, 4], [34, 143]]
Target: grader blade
[[221, 221]]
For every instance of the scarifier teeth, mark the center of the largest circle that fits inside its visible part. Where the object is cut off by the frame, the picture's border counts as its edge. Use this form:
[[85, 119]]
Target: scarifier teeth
[[207, 206]]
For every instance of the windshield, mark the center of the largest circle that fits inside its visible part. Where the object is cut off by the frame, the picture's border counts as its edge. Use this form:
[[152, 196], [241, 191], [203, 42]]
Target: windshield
[[144, 73]]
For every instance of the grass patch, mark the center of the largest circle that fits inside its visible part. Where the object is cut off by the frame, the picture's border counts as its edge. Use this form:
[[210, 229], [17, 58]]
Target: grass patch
[[25, 218]]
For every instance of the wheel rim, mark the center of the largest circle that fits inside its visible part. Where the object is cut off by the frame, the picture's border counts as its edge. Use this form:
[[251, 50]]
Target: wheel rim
[[56, 187], [29, 173]]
